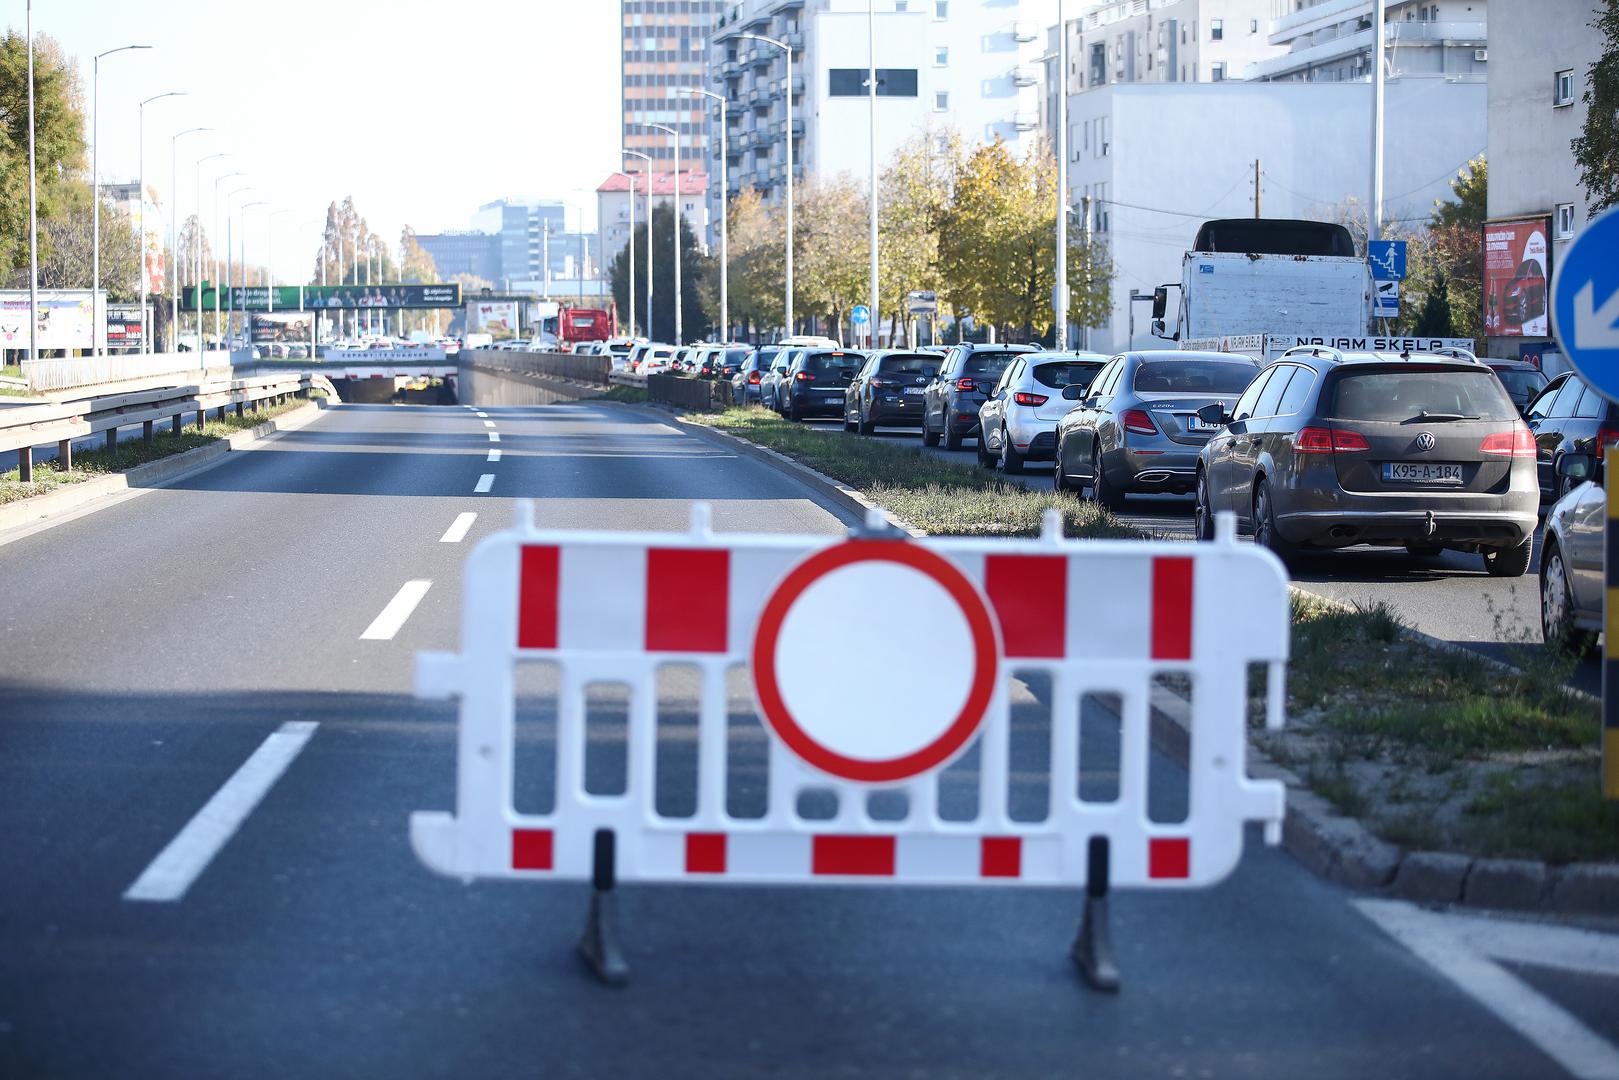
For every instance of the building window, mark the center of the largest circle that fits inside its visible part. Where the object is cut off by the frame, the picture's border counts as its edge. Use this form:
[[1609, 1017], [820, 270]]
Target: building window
[[1565, 89], [941, 56], [1253, 26], [1216, 29], [941, 9], [891, 82], [941, 101], [1565, 221], [1217, 72]]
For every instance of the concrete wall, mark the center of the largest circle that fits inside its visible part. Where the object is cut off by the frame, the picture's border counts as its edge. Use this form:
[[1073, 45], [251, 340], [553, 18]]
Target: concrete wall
[[496, 377], [1186, 153]]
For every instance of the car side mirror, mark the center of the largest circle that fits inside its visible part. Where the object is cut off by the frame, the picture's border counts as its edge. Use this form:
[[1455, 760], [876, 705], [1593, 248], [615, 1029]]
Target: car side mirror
[[1160, 302], [1577, 468], [1073, 391], [1214, 415]]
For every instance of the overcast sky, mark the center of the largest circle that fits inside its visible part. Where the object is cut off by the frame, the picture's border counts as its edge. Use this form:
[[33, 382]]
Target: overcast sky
[[420, 109]]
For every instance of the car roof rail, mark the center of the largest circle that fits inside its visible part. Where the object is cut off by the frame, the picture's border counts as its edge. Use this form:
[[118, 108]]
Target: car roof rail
[[1456, 352], [1325, 352]]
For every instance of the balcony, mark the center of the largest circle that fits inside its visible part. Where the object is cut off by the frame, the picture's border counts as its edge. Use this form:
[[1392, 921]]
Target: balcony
[[798, 127], [1025, 75], [1308, 20], [731, 67], [1025, 120], [794, 40], [1396, 34], [756, 97], [1025, 31]]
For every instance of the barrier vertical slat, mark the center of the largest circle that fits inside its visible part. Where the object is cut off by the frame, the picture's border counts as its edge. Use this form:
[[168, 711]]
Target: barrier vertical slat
[[570, 738], [994, 755], [642, 773], [713, 724], [1134, 744], [1065, 736]]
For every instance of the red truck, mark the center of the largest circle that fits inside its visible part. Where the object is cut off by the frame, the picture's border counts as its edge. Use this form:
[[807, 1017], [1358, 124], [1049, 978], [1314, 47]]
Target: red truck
[[572, 326]]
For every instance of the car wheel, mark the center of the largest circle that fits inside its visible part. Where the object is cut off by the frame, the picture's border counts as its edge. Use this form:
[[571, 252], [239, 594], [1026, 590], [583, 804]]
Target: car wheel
[[1557, 606], [1265, 534], [793, 411], [1102, 491], [929, 436], [1423, 551], [1510, 561], [952, 438], [1011, 460], [866, 425], [1059, 475], [848, 424], [1203, 516], [986, 460]]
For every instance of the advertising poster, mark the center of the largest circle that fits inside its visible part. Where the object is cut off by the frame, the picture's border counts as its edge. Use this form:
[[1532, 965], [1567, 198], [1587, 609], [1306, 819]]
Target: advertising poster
[[1517, 278], [152, 244], [493, 317], [290, 327], [123, 326], [66, 319]]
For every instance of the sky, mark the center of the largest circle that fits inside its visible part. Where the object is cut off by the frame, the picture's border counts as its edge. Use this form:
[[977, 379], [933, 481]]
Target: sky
[[422, 111]]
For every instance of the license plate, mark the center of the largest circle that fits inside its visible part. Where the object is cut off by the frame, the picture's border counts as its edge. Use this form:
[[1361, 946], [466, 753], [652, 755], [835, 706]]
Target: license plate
[[1428, 472], [915, 391], [1193, 423]]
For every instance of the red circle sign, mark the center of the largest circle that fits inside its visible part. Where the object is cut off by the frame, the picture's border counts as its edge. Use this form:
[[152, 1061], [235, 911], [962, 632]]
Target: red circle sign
[[818, 680]]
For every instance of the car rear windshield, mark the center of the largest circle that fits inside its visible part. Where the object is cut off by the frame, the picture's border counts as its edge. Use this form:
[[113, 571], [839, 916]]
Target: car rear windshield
[[1194, 377], [1057, 376], [820, 363], [736, 356], [1398, 396], [987, 363], [1522, 383], [909, 364]]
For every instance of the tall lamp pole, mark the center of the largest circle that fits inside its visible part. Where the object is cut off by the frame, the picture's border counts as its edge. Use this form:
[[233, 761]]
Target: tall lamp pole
[[33, 202], [217, 235], [196, 240], [247, 320], [675, 137], [140, 240], [871, 131], [99, 337], [725, 221], [174, 232], [648, 327], [230, 247], [788, 50], [1059, 295]]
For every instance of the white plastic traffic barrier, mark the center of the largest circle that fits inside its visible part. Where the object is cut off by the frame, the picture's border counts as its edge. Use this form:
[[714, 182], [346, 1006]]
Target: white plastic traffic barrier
[[822, 625]]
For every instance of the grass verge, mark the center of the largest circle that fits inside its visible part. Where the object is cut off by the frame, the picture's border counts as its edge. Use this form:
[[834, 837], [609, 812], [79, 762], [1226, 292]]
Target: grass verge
[[936, 496], [91, 464], [1443, 750], [632, 395], [12, 371]]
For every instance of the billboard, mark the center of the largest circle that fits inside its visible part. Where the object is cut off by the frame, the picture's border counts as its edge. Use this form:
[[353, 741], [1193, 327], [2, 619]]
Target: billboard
[[1517, 278], [66, 319], [123, 326], [283, 327], [323, 297], [492, 316], [152, 264]]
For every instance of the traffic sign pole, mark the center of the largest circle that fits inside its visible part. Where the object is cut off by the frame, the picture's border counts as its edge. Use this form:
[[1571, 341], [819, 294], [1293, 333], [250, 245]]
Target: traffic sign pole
[[1610, 640]]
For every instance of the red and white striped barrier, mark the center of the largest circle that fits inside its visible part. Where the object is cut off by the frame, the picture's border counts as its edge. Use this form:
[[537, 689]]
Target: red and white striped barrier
[[823, 624]]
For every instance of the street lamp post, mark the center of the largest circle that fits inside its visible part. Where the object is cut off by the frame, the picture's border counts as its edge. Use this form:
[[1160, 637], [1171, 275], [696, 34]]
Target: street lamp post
[[230, 247], [99, 338], [788, 50], [174, 230], [247, 324], [26, 471], [648, 327], [725, 220], [217, 235], [196, 241], [140, 240], [1059, 295], [675, 136]]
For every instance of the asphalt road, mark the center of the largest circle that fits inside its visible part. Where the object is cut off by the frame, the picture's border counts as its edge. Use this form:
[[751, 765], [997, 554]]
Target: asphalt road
[[1449, 597], [249, 620]]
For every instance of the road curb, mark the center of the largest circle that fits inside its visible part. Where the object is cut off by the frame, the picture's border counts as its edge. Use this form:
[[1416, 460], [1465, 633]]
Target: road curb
[[72, 498], [1334, 847]]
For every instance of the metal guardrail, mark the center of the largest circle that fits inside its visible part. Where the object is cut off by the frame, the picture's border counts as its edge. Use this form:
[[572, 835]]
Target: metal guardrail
[[71, 372], [26, 426]]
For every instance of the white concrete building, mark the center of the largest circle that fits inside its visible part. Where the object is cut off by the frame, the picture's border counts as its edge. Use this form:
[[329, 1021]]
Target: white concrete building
[[1332, 40], [613, 209], [973, 65], [1543, 57], [1158, 160]]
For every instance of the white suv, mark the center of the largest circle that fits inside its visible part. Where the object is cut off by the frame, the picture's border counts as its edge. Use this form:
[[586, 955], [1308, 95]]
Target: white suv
[[1018, 422]]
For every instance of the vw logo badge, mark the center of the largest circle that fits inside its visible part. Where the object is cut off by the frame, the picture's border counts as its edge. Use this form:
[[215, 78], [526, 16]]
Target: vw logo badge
[[1425, 441]]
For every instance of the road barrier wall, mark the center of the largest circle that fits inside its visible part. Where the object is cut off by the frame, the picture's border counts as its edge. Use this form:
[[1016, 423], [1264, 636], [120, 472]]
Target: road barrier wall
[[68, 373], [688, 393], [583, 369]]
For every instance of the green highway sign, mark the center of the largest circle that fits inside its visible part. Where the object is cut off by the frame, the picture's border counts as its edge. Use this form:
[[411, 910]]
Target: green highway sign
[[322, 297]]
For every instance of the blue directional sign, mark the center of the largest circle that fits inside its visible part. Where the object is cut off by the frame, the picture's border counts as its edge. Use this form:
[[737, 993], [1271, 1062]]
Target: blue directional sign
[[860, 314], [1387, 259], [1585, 304]]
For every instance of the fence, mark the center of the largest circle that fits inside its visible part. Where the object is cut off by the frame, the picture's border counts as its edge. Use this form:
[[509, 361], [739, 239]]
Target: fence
[[66, 374]]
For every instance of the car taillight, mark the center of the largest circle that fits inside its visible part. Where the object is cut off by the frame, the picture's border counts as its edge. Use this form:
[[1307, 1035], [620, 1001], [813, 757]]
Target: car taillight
[[965, 385], [1139, 422], [1519, 442], [1606, 437], [804, 376], [1030, 399], [753, 378], [1320, 440]]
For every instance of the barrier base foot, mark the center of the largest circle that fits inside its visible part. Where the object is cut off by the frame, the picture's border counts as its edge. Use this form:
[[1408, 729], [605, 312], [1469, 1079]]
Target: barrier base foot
[[599, 943], [1093, 948]]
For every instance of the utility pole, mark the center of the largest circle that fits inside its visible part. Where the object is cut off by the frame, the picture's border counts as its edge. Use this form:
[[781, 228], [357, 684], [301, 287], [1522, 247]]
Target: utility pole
[[33, 209], [871, 125], [1256, 188], [1085, 331], [1059, 293], [1376, 222]]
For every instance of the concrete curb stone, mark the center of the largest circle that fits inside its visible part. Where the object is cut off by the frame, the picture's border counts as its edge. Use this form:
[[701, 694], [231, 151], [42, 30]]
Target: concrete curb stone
[[1586, 888], [1432, 877], [1507, 884]]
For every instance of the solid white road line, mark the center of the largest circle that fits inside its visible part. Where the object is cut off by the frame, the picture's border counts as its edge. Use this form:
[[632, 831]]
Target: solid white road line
[[387, 624], [485, 482], [494, 455], [494, 436], [457, 531], [169, 875], [488, 423], [1444, 945]]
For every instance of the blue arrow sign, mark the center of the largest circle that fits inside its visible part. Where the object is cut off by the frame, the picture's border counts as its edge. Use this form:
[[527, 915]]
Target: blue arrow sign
[[860, 314], [1387, 259], [1585, 304]]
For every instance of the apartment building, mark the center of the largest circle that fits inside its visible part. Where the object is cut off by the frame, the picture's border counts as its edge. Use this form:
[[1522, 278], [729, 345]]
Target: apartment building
[[1333, 41], [613, 208], [663, 52], [961, 64]]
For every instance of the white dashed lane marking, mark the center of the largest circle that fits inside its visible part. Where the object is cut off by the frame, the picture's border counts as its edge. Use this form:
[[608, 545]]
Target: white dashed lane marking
[[387, 624], [458, 528]]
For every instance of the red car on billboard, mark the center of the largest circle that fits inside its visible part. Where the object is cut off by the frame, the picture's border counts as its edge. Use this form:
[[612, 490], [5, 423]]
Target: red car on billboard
[[1517, 270]]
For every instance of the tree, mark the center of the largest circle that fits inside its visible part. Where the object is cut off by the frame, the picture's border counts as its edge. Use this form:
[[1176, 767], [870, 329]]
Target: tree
[[417, 263], [758, 262], [59, 146], [693, 266], [1435, 320], [829, 237], [1596, 151], [916, 191]]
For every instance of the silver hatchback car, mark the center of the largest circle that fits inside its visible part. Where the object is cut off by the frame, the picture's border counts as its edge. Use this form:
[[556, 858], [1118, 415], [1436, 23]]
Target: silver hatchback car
[[1138, 430], [1572, 585]]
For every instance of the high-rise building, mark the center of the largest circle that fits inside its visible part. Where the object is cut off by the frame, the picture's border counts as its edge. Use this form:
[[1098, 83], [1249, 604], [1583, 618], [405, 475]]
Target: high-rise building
[[663, 52], [1332, 40]]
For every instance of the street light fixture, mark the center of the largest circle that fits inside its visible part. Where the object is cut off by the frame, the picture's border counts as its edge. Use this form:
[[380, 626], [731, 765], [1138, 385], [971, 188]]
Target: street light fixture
[[725, 220], [675, 136], [648, 159], [196, 240], [788, 50], [99, 338], [174, 232], [140, 241], [217, 234]]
